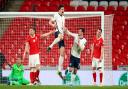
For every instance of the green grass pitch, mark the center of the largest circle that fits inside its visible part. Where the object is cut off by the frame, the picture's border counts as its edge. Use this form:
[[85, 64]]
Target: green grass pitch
[[62, 87]]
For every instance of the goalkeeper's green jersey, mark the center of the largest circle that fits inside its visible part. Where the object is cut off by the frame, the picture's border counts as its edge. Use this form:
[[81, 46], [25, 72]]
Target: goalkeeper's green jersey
[[17, 72], [68, 79]]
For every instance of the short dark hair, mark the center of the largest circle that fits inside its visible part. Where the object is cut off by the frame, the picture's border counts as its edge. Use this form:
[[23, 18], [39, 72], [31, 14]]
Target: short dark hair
[[33, 29], [20, 57], [60, 6], [100, 29], [82, 29]]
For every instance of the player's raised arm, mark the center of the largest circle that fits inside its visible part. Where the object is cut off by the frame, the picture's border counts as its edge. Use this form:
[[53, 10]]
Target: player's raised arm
[[70, 33], [92, 48], [47, 34], [52, 22]]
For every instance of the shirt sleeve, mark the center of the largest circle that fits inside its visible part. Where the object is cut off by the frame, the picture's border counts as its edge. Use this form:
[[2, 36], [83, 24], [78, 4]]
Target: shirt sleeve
[[55, 17], [21, 72], [102, 42], [38, 35], [27, 39], [12, 72]]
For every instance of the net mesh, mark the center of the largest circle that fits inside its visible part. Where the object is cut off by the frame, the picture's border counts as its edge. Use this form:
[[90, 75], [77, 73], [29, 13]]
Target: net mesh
[[14, 29]]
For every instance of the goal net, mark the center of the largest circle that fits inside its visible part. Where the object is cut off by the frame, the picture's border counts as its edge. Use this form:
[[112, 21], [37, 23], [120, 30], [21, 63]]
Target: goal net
[[14, 27]]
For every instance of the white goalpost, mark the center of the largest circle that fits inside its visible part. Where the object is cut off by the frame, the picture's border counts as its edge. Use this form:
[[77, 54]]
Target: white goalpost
[[15, 25]]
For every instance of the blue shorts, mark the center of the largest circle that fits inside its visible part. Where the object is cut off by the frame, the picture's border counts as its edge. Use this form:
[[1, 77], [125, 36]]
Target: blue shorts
[[60, 43]]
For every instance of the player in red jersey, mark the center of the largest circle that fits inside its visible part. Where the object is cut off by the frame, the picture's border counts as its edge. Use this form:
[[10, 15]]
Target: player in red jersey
[[97, 56], [32, 48]]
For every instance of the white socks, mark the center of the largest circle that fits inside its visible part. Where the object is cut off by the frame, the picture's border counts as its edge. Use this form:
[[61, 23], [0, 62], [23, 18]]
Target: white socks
[[61, 59], [73, 76], [56, 40]]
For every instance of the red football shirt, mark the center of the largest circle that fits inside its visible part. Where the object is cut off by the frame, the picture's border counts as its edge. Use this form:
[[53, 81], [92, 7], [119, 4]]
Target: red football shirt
[[98, 43], [33, 44]]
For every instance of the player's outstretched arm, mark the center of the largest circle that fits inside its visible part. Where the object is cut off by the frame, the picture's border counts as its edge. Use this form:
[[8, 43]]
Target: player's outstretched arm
[[102, 52], [26, 50], [92, 48], [69, 33], [47, 34], [52, 23]]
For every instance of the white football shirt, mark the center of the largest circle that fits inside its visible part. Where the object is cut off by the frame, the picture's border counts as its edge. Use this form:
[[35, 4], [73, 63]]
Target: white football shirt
[[60, 20]]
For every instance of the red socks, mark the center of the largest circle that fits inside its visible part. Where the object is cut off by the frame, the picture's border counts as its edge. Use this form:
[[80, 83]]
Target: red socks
[[94, 77], [101, 77], [37, 73], [32, 77]]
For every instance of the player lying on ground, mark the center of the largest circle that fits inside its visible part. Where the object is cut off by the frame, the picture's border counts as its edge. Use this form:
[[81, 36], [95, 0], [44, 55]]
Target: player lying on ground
[[32, 48], [97, 56], [78, 46], [67, 77], [58, 23], [17, 74]]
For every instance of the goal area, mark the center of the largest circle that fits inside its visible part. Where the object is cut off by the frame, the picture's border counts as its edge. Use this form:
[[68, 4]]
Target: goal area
[[14, 28]]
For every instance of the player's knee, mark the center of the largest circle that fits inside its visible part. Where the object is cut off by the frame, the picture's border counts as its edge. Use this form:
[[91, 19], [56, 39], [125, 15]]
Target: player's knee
[[62, 52], [38, 67], [75, 71], [93, 68], [100, 70], [60, 36], [32, 69]]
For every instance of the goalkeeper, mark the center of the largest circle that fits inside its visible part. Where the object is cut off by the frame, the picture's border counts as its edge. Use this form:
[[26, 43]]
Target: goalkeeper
[[67, 78], [16, 76]]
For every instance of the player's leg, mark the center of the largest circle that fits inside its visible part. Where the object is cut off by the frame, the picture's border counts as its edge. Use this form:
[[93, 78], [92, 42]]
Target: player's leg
[[14, 83], [37, 73], [101, 73], [24, 81], [32, 68], [37, 70], [61, 59], [58, 38], [76, 67], [94, 71]]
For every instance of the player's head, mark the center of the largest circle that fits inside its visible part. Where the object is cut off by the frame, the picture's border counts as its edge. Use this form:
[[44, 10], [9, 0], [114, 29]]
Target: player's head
[[99, 31], [19, 60], [81, 31], [32, 31], [61, 9]]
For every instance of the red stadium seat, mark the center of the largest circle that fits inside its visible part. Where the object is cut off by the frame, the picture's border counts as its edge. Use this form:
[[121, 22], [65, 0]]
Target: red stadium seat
[[80, 8], [53, 8], [26, 8], [111, 8], [100, 8], [90, 8], [54, 3], [120, 8], [69, 8]]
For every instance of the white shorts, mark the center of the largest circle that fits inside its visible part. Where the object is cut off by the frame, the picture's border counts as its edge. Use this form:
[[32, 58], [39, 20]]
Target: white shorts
[[34, 60], [96, 63]]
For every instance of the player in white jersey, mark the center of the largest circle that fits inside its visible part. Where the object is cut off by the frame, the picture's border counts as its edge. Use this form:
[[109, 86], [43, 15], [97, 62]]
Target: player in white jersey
[[78, 46], [58, 23]]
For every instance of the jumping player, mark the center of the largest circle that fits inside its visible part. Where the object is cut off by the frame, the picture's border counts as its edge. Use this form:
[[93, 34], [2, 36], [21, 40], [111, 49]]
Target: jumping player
[[58, 23]]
